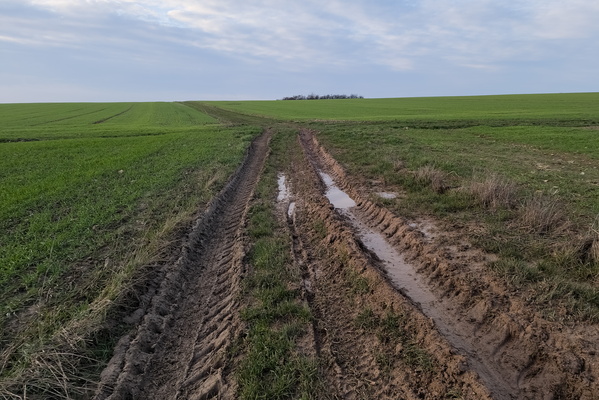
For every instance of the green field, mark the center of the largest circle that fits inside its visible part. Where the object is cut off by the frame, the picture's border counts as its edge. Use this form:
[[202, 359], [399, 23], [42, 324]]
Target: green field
[[92, 193], [89, 193], [576, 108]]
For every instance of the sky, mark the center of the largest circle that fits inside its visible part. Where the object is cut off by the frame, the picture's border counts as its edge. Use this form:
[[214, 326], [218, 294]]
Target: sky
[[171, 50]]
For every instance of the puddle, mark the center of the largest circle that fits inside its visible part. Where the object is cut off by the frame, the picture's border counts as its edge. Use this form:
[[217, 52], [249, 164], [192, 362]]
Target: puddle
[[284, 196], [338, 198], [402, 274], [291, 210], [406, 279], [283, 188], [387, 195]]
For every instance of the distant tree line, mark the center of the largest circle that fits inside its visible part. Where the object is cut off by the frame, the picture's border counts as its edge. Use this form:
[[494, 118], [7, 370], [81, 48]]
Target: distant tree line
[[325, 97]]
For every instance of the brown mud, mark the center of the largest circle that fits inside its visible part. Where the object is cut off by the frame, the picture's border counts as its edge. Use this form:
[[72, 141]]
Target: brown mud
[[373, 342], [179, 347]]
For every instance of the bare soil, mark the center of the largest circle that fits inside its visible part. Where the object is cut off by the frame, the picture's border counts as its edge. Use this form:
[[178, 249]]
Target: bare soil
[[471, 338]]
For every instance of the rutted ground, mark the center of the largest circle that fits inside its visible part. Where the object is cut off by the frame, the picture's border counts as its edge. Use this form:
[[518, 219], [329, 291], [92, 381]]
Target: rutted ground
[[179, 347], [373, 341], [374, 337], [515, 352]]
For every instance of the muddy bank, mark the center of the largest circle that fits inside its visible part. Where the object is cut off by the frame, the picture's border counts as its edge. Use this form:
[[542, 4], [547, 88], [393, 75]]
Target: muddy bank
[[178, 348], [516, 352], [373, 342]]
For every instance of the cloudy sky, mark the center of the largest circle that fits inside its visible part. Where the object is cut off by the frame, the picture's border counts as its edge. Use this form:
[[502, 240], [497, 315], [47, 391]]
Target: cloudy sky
[[146, 50]]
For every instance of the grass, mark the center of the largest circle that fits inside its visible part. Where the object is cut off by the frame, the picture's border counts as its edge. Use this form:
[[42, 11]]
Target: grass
[[95, 194], [91, 195], [433, 177], [272, 366], [493, 191], [390, 331], [574, 108], [35, 122], [520, 172]]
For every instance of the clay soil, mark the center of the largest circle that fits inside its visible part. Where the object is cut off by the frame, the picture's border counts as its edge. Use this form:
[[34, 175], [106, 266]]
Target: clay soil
[[373, 337]]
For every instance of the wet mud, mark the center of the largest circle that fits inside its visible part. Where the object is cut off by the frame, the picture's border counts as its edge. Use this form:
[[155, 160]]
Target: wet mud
[[507, 345]]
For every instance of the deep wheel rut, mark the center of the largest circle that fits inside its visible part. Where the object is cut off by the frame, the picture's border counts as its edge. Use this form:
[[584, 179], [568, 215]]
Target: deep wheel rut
[[396, 313], [178, 349], [389, 299]]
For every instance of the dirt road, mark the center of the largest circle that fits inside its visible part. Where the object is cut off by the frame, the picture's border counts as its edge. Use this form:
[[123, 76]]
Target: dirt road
[[401, 309]]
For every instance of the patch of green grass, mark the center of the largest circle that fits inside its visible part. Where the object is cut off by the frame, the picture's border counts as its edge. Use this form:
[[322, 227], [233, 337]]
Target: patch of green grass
[[272, 367], [36, 122], [390, 330], [357, 283], [366, 320], [319, 228]]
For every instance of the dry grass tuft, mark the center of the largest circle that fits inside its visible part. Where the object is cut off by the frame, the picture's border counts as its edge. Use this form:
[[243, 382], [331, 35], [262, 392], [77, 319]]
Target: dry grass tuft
[[589, 249], [434, 177], [541, 213], [493, 191], [399, 165], [57, 373]]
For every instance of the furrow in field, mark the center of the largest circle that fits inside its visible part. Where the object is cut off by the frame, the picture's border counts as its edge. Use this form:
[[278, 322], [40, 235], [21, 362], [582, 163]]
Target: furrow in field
[[100, 121], [178, 350]]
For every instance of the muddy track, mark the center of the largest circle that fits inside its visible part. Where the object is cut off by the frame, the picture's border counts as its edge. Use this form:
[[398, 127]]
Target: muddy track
[[444, 329], [178, 349], [395, 352], [483, 342]]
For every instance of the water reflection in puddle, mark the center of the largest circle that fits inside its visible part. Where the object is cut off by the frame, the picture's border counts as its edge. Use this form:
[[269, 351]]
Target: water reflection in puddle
[[402, 274], [338, 198], [284, 196], [291, 209], [405, 278], [283, 189]]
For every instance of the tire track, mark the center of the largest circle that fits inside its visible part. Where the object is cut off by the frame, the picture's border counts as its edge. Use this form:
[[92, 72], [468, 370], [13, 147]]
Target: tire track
[[367, 335], [179, 348], [515, 352]]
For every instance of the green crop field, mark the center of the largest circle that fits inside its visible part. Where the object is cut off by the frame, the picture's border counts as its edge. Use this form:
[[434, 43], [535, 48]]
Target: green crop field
[[577, 108], [94, 194], [89, 193]]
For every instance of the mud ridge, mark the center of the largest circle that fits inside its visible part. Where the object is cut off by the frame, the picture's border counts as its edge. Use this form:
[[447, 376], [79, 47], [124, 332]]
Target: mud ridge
[[536, 358], [178, 349]]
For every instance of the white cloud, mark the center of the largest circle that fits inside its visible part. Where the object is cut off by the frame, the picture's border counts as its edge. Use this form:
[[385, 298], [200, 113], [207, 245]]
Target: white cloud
[[401, 35], [573, 19], [18, 40]]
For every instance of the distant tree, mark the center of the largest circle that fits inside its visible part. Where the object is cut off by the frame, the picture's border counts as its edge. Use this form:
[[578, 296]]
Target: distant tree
[[313, 96]]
